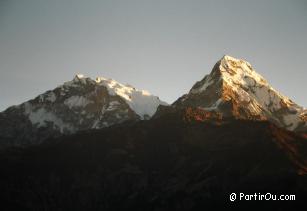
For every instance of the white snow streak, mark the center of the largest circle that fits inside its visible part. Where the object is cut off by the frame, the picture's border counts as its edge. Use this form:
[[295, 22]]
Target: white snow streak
[[41, 117], [77, 101]]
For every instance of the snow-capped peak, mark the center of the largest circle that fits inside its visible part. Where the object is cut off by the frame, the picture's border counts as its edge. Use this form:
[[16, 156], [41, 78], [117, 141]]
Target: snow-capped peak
[[234, 82], [79, 104], [239, 71], [140, 101], [80, 76], [240, 76]]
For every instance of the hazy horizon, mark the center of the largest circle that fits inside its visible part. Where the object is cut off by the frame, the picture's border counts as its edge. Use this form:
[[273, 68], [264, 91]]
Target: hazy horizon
[[163, 46]]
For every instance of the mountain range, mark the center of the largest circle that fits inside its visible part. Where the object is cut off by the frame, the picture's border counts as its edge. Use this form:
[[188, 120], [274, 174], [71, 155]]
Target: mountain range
[[101, 145]]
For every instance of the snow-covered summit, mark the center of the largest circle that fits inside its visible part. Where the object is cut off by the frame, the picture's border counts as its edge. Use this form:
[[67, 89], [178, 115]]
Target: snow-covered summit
[[79, 104], [140, 101], [234, 88]]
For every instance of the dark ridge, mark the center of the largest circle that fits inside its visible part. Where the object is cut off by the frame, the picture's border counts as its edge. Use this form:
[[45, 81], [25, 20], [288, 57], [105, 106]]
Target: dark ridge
[[167, 163]]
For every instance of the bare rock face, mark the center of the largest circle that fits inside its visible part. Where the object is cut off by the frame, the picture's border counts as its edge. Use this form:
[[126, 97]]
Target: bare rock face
[[235, 89], [77, 105], [303, 128]]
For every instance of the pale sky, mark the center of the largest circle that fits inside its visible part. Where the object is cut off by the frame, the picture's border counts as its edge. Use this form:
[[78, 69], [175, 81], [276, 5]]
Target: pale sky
[[163, 46]]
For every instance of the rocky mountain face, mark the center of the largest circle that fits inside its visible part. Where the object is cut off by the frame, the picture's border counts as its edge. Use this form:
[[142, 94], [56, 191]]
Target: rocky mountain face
[[80, 104], [235, 89]]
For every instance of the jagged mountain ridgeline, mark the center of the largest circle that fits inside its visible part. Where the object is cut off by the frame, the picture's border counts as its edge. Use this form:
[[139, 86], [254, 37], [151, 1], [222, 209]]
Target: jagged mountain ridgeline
[[101, 145], [234, 88], [77, 105]]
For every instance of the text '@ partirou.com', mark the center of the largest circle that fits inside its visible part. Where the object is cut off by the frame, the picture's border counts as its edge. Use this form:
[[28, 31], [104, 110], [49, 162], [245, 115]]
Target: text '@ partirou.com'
[[260, 197]]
